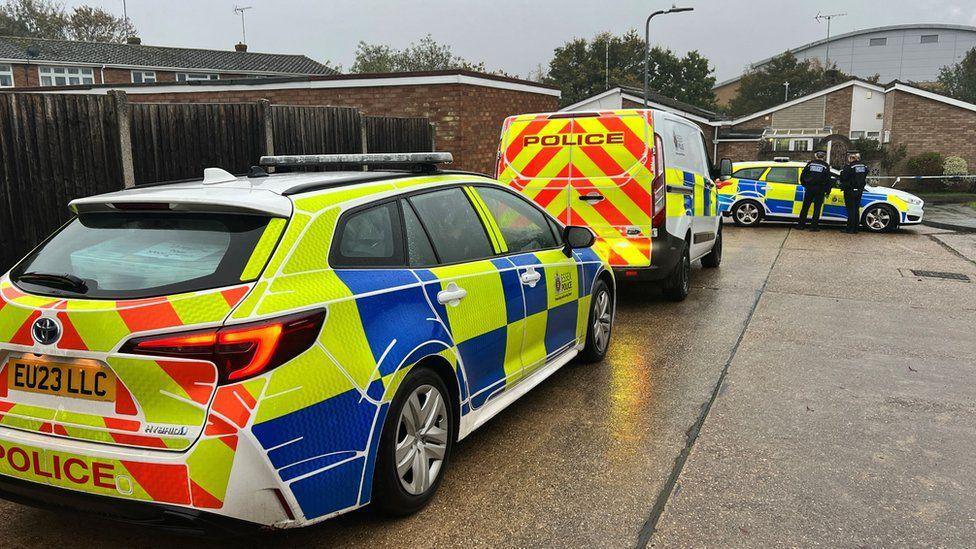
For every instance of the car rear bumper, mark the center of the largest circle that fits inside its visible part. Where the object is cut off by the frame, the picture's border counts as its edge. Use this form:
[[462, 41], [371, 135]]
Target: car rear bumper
[[171, 518]]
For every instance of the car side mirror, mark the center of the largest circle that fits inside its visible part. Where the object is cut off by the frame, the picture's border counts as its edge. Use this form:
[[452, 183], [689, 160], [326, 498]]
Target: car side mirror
[[575, 238], [725, 168]]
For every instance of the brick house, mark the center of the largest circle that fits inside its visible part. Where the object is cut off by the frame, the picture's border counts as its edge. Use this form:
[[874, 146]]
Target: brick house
[[467, 108], [33, 62], [896, 114]]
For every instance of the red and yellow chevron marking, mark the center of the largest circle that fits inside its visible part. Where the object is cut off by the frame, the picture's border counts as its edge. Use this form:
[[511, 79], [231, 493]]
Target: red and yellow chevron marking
[[169, 393], [555, 161]]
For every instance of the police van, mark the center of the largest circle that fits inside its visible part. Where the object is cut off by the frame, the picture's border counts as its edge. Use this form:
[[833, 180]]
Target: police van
[[642, 180]]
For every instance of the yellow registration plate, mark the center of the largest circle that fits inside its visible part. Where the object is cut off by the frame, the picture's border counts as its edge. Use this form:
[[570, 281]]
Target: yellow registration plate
[[84, 379]]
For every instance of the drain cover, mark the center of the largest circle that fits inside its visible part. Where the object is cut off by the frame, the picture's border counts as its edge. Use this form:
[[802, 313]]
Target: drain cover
[[944, 276]]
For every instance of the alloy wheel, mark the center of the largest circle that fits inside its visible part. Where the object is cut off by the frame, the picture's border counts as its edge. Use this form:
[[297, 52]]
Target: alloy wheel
[[747, 213], [421, 442], [602, 321], [877, 218]]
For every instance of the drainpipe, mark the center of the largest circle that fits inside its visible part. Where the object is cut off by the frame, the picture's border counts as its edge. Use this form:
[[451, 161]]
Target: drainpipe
[[102, 71], [715, 145]]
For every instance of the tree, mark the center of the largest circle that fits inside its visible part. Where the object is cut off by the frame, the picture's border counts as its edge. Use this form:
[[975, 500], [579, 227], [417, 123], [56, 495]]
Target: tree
[[97, 25], [959, 80], [426, 55], [763, 88], [579, 68], [48, 19]]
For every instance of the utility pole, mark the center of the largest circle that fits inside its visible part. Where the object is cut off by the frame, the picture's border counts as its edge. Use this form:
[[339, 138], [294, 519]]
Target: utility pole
[[647, 40], [787, 97], [607, 85], [828, 17], [240, 10]]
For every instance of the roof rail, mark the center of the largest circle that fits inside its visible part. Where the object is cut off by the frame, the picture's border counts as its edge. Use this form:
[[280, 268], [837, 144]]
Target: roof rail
[[423, 162]]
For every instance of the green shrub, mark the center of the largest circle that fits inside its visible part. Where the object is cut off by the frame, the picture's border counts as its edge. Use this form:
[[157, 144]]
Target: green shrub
[[929, 163], [955, 165]]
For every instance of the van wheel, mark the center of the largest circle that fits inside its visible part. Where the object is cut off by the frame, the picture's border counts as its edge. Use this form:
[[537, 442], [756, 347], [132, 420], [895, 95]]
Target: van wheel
[[747, 213], [415, 446], [600, 324], [714, 258], [679, 282]]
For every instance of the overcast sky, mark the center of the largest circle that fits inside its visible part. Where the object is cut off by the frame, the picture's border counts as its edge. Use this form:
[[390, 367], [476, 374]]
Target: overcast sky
[[518, 35]]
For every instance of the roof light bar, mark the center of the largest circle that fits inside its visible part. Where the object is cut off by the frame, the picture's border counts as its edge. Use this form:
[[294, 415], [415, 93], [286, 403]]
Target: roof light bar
[[430, 158]]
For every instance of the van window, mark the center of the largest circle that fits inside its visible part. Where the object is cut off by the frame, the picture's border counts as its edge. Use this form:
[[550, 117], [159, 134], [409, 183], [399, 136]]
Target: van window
[[369, 238], [139, 255], [453, 225], [684, 149], [749, 173], [789, 176]]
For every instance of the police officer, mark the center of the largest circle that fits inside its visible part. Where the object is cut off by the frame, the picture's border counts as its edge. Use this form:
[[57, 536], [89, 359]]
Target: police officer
[[815, 179], [852, 180]]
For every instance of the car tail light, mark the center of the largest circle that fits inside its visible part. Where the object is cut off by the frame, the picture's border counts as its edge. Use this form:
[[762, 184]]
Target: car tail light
[[659, 187], [240, 351]]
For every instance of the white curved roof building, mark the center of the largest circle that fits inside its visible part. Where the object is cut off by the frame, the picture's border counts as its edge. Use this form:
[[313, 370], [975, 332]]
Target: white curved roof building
[[910, 53]]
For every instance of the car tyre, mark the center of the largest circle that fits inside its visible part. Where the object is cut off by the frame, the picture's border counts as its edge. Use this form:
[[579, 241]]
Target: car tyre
[[678, 284], [409, 430], [713, 258], [880, 218], [747, 213], [599, 325]]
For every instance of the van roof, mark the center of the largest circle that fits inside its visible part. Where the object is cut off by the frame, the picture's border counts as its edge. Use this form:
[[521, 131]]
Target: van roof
[[591, 113]]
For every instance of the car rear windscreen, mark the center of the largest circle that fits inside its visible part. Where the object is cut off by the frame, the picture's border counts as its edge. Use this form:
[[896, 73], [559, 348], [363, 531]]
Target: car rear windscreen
[[139, 255]]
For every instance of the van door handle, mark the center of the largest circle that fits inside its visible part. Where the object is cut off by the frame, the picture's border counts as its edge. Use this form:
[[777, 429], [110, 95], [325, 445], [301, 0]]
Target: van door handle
[[531, 277], [591, 197], [452, 295]]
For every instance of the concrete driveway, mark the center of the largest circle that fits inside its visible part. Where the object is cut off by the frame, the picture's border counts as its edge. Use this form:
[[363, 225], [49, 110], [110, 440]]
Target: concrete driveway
[[812, 391]]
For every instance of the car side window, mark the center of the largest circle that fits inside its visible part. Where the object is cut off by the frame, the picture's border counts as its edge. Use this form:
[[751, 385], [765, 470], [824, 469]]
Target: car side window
[[453, 225], [370, 238], [420, 252], [789, 176], [749, 173], [523, 226]]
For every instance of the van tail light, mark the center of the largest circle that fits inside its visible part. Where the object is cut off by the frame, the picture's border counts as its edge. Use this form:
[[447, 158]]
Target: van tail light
[[659, 187], [240, 351]]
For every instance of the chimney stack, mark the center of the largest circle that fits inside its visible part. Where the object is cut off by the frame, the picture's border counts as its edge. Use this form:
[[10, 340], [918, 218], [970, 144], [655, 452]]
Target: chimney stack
[[134, 40], [241, 47]]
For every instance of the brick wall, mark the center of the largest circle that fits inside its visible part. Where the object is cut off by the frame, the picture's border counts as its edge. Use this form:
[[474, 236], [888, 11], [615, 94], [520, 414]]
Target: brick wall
[[468, 118], [805, 115], [738, 151], [926, 125], [838, 112]]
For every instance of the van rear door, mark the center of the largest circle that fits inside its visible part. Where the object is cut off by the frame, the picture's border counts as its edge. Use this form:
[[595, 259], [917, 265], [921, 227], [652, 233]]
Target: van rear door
[[591, 169]]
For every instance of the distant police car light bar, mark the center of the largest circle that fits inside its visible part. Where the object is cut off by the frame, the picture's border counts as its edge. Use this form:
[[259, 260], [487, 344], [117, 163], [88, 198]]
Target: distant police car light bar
[[430, 158]]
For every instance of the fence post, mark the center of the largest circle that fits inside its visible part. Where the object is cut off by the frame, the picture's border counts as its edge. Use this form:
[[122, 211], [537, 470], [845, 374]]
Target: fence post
[[362, 135], [121, 103], [267, 122]]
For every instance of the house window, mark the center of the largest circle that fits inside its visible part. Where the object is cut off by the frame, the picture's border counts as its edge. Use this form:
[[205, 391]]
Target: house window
[[191, 76], [865, 135], [66, 76], [143, 77], [787, 144], [857, 135], [6, 76], [930, 39], [878, 42]]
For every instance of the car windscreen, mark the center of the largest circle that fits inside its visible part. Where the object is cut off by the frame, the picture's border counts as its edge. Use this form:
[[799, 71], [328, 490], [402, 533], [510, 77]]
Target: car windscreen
[[130, 255]]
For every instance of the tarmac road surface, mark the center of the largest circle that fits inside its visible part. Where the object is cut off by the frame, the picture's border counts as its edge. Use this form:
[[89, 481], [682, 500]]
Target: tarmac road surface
[[809, 392]]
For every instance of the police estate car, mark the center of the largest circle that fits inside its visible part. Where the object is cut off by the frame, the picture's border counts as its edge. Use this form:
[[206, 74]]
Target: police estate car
[[772, 190], [277, 350]]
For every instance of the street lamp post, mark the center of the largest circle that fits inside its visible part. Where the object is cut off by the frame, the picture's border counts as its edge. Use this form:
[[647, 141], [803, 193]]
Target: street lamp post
[[647, 41]]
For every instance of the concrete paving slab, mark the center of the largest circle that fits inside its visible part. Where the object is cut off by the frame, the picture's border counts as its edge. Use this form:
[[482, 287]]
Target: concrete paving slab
[[962, 244], [844, 421]]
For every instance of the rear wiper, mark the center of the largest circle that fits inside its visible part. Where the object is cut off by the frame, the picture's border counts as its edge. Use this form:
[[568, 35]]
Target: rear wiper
[[54, 280]]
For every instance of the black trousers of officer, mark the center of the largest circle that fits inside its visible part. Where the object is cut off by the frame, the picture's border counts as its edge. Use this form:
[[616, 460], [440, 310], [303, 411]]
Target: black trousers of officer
[[812, 196], [852, 201]]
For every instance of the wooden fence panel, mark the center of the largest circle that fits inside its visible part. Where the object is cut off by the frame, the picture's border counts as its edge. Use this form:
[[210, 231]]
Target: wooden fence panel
[[53, 149], [171, 142], [393, 134], [316, 130]]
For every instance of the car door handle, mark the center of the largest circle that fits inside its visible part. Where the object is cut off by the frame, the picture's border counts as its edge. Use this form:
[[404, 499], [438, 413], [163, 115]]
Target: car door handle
[[452, 295], [530, 278], [591, 197]]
